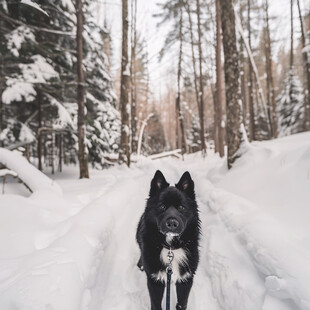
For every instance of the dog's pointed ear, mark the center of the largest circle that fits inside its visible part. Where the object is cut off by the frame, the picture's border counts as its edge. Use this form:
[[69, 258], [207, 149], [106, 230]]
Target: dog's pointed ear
[[158, 183], [186, 185]]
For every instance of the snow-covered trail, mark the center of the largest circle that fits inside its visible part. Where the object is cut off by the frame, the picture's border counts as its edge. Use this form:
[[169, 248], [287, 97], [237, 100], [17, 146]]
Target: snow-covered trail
[[78, 252], [235, 272], [116, 262]]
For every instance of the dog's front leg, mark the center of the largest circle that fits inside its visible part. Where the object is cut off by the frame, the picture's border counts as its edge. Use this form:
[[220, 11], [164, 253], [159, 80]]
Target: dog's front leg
[[183, 289], [156, 291]]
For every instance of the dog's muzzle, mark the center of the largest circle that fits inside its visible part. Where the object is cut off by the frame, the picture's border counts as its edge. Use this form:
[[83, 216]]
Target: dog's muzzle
[[172, 222]]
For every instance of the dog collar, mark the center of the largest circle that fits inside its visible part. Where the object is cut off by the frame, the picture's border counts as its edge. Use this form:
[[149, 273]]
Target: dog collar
[[168, 247]]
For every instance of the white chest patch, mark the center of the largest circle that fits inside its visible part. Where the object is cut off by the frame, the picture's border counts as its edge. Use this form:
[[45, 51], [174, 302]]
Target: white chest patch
[[180, 259], [170, 237]]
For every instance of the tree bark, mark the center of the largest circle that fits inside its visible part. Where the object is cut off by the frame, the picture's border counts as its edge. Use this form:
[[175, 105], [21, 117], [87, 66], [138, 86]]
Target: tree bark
[[255, 70], [180, 123], [250, 79], [1, 90], [307, 70], [219, 84], [242, 70], [193, 53], [1, 114], [82, 153], [232, 73], [2, 80], [60, 151], [201, 92], [39, 99], [292, 38], [134, 136], [124, 151], [271, 101]]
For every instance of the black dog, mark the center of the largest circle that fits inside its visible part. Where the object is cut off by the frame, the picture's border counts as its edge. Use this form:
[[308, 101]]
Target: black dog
[[170, 220]]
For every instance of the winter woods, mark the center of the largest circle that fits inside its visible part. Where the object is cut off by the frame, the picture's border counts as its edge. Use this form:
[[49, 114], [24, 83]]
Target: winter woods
[[80, 87]]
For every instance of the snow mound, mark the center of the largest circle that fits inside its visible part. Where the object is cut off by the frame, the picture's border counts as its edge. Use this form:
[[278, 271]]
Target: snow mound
[[31, 176]]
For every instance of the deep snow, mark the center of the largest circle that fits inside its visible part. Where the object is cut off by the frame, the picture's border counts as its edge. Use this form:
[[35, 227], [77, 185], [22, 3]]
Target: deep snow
[[77, 250]]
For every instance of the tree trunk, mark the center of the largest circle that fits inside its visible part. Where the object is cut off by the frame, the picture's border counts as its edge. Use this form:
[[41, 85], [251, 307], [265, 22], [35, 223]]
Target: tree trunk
[[255, 70], [1, 103], [193, 53], [53, 152], [124, 151], [180, 123], [271, 102], [250, 79], [201, 95], [1, 114], [242, 70], [60, 151], [219, 84], [28, 152], [292, 38], [82, 155], [39, 98], [215, 126], [232, 73], [134, 136], [307, 70]]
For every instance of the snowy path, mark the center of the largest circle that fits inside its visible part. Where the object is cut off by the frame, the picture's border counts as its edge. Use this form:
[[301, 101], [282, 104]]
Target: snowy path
[[79, 252], [235, 272]]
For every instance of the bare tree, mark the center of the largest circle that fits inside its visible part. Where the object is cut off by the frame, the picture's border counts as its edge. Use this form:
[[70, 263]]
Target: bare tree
[[232, 73], [250, 79], [180, 123], [193, 52], [134, 136], [39, 101], [307, 70], [201, 92], [219, 84], [82, 154], [271, 100], [292, 38], [1, 103], [242, 67], [124, 152]]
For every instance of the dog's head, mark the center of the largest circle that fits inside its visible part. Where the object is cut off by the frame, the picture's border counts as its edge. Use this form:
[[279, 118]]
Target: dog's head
[[172, 209]]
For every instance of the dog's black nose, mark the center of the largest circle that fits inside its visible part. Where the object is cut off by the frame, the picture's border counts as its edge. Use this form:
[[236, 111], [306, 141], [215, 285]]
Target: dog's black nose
[[172, 224]]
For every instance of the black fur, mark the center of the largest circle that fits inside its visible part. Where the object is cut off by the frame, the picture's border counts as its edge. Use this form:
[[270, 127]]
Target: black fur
[[169, 209]]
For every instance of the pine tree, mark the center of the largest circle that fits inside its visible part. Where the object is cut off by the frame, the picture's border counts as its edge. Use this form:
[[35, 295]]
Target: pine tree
[[291, 100], [290, 104], [39, 89], [193, 136]]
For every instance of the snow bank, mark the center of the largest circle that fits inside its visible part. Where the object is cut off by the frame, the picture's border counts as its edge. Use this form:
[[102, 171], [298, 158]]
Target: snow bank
[[31, 176], [283, 264]]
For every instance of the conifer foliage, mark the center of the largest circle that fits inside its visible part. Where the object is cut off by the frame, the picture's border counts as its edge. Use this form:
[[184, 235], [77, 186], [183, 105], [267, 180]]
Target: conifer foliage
[[291, 106], [38, 82]]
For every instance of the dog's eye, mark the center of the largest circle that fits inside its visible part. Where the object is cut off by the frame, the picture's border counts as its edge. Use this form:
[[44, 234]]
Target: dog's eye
[[162, 208], [181, 208]]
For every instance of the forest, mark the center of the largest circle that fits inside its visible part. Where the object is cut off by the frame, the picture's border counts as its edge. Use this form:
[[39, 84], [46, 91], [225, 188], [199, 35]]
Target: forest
[[154, 153], [71, 94]]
